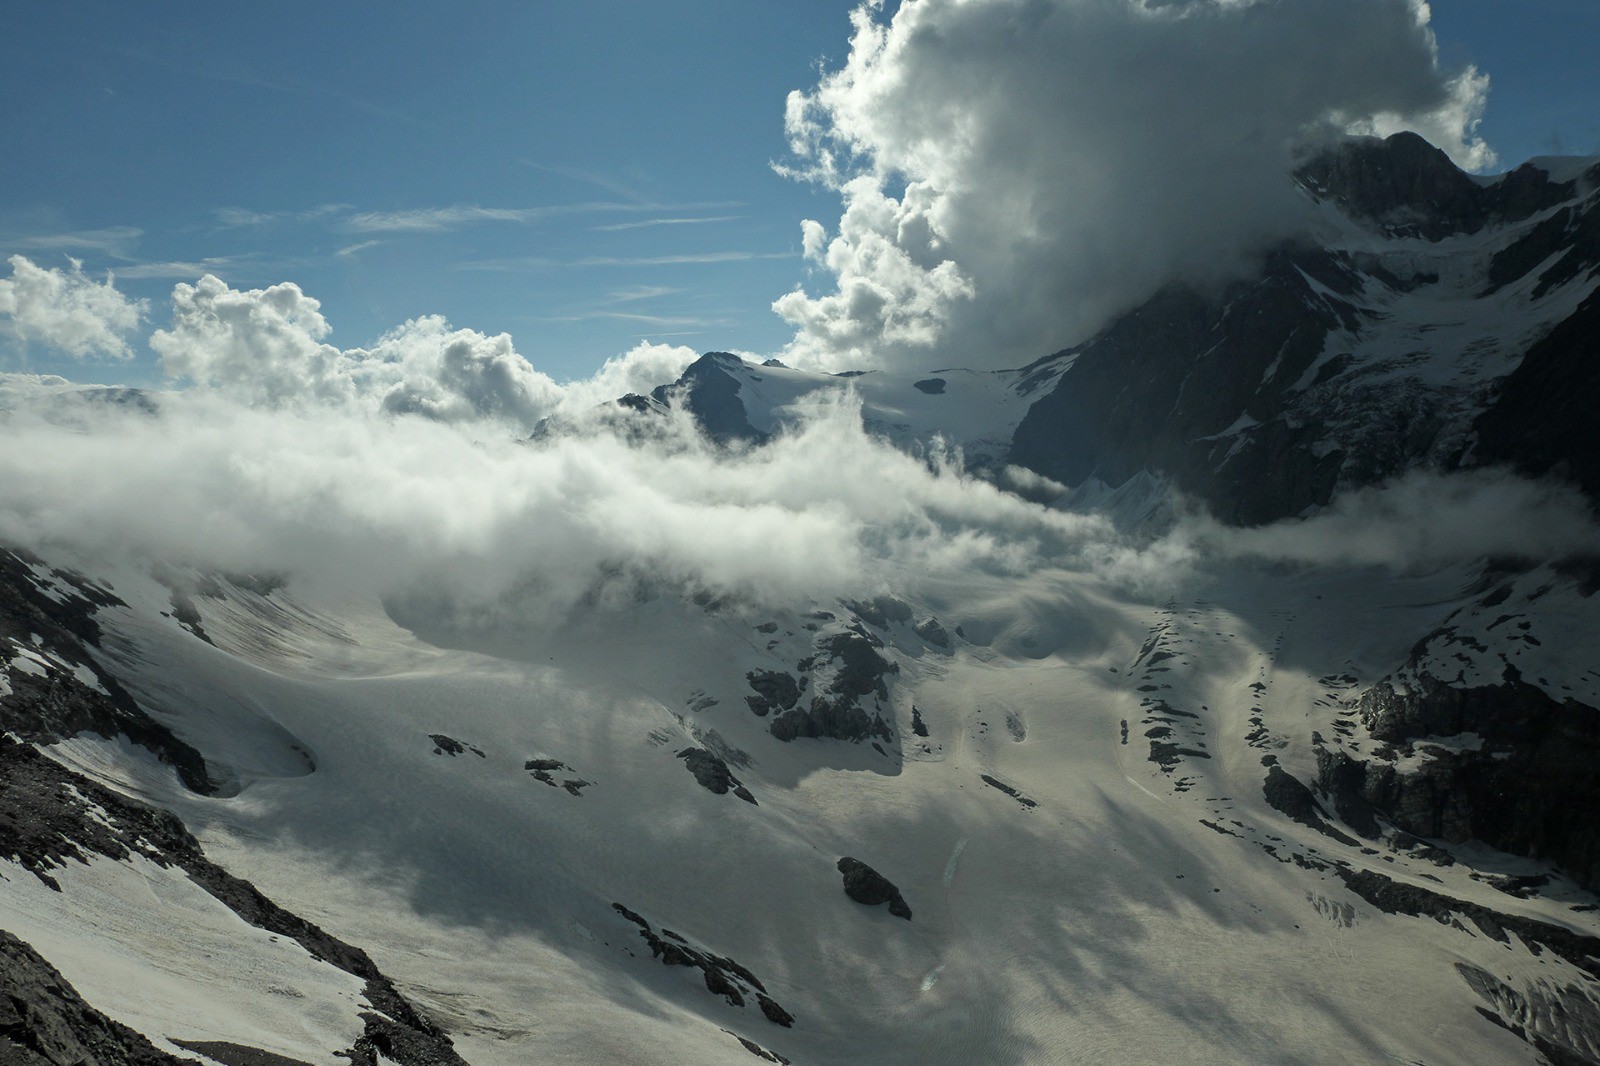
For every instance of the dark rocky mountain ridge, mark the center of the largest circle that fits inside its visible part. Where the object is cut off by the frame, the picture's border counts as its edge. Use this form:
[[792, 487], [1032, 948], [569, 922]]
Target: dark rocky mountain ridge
[[1265, 399]]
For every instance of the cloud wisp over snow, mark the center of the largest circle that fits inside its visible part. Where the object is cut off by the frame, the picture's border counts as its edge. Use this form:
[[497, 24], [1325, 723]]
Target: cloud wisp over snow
[[1419, 521], [1013, 172], [386, 506]]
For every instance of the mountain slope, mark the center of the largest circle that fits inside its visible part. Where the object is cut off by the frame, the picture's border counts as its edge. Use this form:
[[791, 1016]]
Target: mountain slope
[[1432, 313], [1088, 804], [1004, 785]]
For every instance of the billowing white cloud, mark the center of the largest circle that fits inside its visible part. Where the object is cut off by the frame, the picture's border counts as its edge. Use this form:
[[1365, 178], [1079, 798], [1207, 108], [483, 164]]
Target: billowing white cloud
[[261, 345], [266, 347], [20, 390], [455, 375], [1449, 126], [67, 310], [1013, 172], [637, 371]]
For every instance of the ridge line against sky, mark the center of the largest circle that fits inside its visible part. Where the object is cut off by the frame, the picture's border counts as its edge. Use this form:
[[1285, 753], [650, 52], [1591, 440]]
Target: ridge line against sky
[[541, 166]]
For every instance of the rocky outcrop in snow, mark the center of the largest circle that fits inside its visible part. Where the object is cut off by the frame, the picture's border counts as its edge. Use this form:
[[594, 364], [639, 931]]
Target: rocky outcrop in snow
[[868, 887], [859, 670], [713, 774], [723, 976], [1518, 773]]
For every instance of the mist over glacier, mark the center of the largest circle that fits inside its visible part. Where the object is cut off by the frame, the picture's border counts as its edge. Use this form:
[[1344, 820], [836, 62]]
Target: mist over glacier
[[339, 494]]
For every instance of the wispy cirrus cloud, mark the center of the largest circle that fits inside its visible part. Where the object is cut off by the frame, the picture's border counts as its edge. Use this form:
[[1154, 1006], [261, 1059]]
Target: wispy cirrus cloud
[[587, 177], [649, 222], [456, 216], [114, 241], [663, 321], [533, 262], [639, 292], [685, 258], [174, 269], [438, 219], [244, 217], [360, 246], [199, 64]]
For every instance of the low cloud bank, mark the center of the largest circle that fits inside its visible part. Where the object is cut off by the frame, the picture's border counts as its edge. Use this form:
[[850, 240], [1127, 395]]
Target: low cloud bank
[[386, 469], [381, 505], [1419, 522], [372, 505]]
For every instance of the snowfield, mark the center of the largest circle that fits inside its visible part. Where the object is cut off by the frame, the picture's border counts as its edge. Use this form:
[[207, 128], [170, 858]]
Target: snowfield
[[1109, 907]]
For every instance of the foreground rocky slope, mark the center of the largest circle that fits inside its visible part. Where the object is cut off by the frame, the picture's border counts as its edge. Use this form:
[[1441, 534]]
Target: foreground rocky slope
[[51, 690]]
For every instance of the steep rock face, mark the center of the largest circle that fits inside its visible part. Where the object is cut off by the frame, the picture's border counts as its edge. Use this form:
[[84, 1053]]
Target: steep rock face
[[44, 1022], [1561, 1020], [1505, 764], [1452, 331], [51, 816], [1162, 388], [1545, 417], [1488, 730]]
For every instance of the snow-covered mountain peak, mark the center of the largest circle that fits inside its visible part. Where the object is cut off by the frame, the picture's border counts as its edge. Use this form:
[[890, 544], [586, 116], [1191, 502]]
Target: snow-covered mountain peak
[[975, 411]]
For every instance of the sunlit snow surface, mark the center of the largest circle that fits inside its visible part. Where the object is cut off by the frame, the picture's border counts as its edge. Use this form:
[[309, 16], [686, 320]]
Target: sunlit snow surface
[[1107, 923]]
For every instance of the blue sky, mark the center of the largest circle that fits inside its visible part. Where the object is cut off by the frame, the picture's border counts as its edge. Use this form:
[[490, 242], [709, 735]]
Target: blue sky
[[582, 176]]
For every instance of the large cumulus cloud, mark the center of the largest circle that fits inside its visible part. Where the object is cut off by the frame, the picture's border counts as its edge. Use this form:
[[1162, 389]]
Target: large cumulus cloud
[[261, 345], [1012, 172]]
